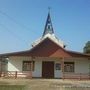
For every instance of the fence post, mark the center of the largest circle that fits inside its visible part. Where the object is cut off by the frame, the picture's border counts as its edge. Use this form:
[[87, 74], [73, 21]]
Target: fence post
[[4, 74], [62, 67], [89, 76], [31, 69], [80, 77], [0, 74], [15, 74]]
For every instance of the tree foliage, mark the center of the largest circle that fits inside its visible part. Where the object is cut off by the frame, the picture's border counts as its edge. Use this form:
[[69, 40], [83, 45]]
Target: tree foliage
[[86, 49]]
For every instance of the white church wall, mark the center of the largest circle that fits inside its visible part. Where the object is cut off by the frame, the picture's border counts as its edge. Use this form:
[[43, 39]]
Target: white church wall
[[82, 66], [15, 64]]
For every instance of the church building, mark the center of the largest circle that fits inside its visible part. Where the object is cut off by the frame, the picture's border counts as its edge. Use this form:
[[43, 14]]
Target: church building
[[47, 58]]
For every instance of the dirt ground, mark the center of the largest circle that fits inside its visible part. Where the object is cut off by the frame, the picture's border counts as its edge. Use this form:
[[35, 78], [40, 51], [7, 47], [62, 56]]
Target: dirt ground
[[47, 84]]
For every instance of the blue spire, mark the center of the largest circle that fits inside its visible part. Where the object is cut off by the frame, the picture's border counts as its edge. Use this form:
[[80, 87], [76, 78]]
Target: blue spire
[[48, 27]]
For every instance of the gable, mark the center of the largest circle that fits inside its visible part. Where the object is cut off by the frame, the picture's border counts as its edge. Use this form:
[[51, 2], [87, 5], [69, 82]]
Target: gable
[[48, 48]]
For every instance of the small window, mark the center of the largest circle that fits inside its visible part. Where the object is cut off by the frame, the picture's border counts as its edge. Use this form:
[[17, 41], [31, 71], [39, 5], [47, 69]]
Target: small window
[[68, 66], [58, 66], [28, 65]]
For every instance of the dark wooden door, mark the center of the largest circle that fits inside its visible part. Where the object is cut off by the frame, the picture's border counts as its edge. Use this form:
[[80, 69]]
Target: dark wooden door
[[48, 69]]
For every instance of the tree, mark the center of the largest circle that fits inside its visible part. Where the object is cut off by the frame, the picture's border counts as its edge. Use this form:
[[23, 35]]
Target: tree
[[86, 49]]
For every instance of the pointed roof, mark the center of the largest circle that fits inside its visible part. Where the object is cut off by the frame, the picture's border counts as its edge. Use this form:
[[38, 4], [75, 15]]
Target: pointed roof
[[48, 32], [47, 48], [48, 26]]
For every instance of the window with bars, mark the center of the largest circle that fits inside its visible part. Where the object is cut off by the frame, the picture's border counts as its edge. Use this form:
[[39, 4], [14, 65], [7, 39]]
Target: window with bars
[[28, 65], [68, 66]]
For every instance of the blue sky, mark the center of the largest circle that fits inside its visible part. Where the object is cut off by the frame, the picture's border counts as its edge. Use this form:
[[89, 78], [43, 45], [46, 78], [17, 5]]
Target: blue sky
[[23, 21]]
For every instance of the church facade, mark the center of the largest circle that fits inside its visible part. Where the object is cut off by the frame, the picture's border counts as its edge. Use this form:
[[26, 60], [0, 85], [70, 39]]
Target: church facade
[[47, 58]]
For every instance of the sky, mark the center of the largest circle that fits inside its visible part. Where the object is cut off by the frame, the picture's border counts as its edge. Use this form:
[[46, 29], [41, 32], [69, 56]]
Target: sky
[[22, 22]]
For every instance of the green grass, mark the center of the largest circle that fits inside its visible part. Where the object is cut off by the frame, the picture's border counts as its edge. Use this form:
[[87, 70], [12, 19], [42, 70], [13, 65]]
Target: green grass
[[12, 87]]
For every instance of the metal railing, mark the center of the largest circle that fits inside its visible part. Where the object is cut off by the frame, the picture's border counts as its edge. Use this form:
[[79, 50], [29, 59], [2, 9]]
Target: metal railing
[[79, 76], [16, 74], [28, 74]]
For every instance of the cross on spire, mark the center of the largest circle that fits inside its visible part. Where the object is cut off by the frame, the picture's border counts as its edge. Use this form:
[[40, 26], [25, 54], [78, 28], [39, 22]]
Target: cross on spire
[[49, 9], [48, 27]]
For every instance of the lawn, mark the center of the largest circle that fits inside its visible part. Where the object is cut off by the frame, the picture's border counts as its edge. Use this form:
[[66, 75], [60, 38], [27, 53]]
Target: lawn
[[12, 87], [43, 84]]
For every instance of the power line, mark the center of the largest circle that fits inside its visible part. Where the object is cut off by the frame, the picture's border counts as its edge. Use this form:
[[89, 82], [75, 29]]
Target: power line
[[13, 34], [12, 19]]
